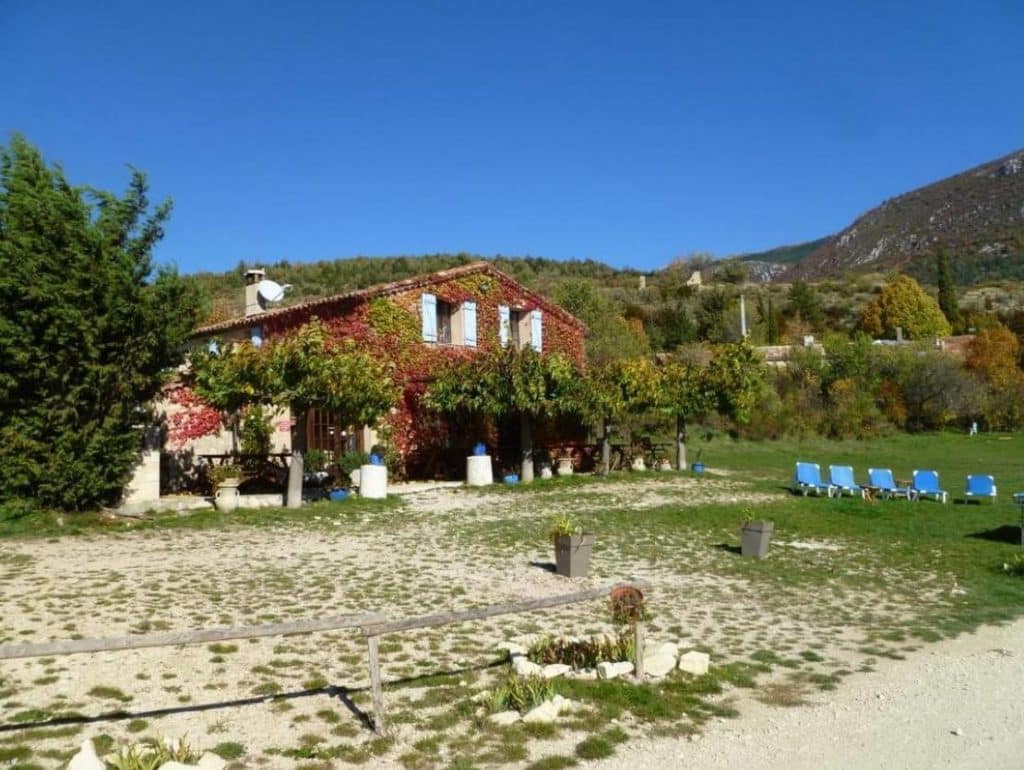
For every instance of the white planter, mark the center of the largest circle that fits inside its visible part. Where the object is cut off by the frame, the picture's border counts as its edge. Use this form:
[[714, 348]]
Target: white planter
[[639, 464], [545, 472], [373, 482], [565, 466], [478, 471], [225, 497]]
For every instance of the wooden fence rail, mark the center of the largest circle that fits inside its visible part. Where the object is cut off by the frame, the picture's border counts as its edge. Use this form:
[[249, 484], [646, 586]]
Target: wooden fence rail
[[372, 626], [174, 638]]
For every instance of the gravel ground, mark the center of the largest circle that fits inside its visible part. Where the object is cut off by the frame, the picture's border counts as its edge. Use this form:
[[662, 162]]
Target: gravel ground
[[954, 704]]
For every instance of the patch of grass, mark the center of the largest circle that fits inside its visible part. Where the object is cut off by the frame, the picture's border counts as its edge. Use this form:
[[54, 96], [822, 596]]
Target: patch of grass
[[594, 747], [109, 693], [555, 762], [229, 750], [137, 725], [31, 715], [16, 753]]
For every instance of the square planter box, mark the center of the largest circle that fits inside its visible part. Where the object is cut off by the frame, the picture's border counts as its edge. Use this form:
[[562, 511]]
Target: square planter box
[[572, 554], [756, 535]]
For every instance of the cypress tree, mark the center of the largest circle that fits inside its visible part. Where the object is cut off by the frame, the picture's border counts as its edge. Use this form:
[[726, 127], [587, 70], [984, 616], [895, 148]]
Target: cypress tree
[[947, 289], [87, 330]]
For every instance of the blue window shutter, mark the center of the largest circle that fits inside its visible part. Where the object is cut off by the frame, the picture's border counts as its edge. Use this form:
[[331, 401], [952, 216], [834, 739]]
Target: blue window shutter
[[469, 323], [535, 329], [256, 336], [428, 304], [504, 325]]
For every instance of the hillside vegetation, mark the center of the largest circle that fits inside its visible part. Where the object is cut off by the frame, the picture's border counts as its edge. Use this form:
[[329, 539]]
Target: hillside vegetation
[[977, 216]]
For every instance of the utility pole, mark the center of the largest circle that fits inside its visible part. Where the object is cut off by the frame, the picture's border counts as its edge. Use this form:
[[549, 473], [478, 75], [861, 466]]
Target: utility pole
[[743, 316]]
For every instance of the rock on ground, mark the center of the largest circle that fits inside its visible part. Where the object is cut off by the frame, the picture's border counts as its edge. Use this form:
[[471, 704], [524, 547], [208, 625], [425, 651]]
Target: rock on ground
[[694, 662], [613, 670], [86, 759]]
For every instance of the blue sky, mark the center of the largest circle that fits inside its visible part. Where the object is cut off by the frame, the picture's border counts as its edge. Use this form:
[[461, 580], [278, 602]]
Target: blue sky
[[629, 133]]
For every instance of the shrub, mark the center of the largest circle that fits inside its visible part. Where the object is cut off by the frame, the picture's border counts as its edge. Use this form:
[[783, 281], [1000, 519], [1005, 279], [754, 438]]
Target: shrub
[[151, 754], [583, 653], [521, 694], [351, 461]]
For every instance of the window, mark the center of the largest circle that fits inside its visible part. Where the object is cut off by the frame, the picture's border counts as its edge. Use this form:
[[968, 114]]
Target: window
[[515, 322], [444, 322], [448, 324], [519, 327]]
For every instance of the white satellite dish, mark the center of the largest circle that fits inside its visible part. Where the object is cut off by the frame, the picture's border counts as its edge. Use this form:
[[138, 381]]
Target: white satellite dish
[[271, 291]]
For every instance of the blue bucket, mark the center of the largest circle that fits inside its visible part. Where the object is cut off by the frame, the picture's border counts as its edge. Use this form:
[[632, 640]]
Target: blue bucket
[[512, 478], [480, 449], [338, 494], [697, 467]]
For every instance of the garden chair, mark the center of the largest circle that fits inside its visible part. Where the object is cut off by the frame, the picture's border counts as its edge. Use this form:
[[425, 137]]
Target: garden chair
[[808, 479], [980, 487], [926, 484], [882, 480], [841, 479]]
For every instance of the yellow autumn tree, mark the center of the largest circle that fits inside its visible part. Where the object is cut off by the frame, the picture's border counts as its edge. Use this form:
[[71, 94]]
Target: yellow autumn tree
[[904, 304]]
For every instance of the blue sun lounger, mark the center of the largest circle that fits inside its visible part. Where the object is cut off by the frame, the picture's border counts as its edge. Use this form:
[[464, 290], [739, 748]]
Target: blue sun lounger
[[980, 488], [841, 479], [926, 484], [882, 480], [807, 478]]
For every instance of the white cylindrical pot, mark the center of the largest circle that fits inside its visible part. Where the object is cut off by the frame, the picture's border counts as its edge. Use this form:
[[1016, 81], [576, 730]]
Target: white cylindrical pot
[[565, 466], [373, 481], [478, 471]]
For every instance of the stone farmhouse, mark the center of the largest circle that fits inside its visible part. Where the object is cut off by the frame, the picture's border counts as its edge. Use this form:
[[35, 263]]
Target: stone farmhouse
[[415, 324]]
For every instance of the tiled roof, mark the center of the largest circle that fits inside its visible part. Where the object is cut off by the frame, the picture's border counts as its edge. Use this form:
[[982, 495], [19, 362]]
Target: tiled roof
[[381, 290]]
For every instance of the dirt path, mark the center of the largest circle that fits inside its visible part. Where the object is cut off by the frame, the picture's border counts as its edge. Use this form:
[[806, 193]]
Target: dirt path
[[955, 704]]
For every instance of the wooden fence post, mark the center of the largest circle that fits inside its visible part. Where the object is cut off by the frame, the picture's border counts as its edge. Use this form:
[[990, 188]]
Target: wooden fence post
[[376, 686], [638, 645]]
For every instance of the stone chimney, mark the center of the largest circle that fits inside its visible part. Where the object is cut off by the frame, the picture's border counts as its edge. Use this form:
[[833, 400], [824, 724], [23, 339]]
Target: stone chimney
[[253, 301]]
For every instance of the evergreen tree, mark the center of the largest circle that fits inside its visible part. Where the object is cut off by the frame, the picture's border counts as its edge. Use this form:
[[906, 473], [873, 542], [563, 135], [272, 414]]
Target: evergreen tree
[[804, 301], [86, 330], [947, 290]]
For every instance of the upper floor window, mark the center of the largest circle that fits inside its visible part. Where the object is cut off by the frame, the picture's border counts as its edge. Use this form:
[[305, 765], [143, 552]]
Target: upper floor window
[[446, 323], [520, 327]]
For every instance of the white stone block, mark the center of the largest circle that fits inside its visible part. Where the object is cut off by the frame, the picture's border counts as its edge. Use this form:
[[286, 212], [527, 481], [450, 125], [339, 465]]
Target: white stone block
[[210, 761], [694, 662], [525, 667], [659, 665], [613, 670], [660, 649], [547, 711], [555, 670], [504, 718], [86, 759]]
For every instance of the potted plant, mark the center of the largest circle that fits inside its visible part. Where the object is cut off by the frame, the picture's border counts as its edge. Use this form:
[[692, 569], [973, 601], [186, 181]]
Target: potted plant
[[697, 466], [226, 480], [565, 467], [572, 547]]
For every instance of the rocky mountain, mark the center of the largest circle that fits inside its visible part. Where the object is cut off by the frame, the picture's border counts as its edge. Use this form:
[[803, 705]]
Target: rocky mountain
[[977, 216]]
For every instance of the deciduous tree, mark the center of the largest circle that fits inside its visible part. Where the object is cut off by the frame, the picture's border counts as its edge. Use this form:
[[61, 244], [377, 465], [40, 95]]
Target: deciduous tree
[[904, 304], [509, 382]]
